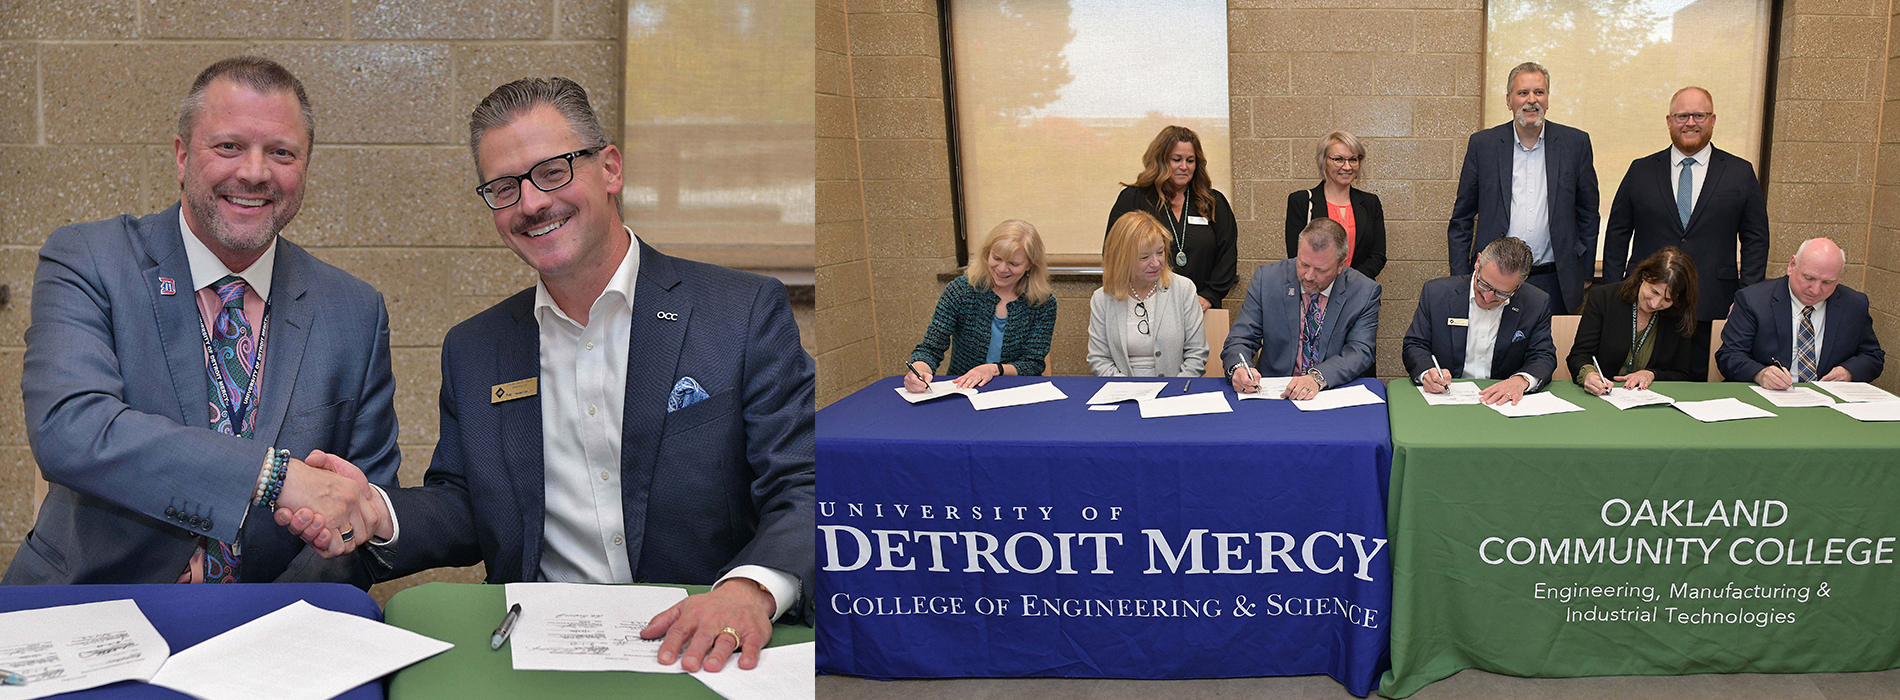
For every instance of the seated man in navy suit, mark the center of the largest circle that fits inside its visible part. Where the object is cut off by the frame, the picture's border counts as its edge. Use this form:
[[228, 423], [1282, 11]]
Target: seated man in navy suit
[[1322, 335], [631, 418], [1486, 325], [1803, 328]]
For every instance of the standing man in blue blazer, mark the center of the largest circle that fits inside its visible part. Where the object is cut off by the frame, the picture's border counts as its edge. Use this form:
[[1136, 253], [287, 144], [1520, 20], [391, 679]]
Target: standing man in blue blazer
[[1805, 327], [1486, 325], [631, 418], [1310, 317], [1696, 197], [1532, 180], [166, 449]]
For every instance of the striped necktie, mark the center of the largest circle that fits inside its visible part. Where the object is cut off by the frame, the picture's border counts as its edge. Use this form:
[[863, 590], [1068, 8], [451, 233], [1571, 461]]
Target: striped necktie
[[1804, 359]]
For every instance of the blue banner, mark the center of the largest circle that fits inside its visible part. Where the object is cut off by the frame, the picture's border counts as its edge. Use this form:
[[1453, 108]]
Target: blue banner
[[1052, 540]]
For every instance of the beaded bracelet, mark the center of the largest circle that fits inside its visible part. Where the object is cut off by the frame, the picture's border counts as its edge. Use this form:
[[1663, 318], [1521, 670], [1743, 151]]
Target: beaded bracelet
[[270, 482]]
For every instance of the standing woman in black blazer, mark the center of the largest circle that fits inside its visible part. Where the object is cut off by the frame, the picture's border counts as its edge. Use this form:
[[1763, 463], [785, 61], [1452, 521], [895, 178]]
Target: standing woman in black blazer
[[1655, 305], [1340, 155], [1174, 187]]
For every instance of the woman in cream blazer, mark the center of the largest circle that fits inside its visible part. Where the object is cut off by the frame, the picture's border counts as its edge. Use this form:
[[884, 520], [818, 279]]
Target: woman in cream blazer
[[1144, 321]]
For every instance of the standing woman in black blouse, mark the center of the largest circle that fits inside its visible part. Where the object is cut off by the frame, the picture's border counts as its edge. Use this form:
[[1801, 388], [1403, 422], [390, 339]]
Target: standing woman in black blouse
[[1340, 155], [1173, 186]]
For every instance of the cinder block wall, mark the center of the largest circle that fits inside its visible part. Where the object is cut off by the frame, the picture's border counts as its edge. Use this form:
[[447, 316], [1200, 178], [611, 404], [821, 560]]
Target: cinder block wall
[[1405, 75], [88, 97]]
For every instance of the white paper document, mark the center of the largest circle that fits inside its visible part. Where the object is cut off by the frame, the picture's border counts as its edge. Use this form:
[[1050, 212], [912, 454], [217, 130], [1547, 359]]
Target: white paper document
[[1456, 394], [1115, 392], [299, 652], [1355, 395], [1857, 392], [783, 673], [1186, 405], [1270, 388], [1716, 410], [1105, 407], [587, 627], [937, 390], [1538, 404], [1794, 397], [1017, 396], [1626, 399], [1872, 411], [75, 647]]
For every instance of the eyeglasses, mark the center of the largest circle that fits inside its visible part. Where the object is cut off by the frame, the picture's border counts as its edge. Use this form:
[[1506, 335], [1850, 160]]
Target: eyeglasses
[[1483, 287], [1141, 313], [548, 175], [1688, 117], [1342, 160]]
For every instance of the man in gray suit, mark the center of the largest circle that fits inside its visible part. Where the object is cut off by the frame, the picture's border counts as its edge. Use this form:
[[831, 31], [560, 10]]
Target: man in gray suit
[[164, 447], [1533, 180], [1308, 317]]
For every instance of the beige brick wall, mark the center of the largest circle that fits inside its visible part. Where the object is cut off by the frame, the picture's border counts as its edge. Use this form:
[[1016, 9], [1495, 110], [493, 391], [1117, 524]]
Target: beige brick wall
[[1406, 75], [88, 93]]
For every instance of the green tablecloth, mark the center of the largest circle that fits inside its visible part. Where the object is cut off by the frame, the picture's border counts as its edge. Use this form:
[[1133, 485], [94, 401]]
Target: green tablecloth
[[1529, 546], [465, 614]]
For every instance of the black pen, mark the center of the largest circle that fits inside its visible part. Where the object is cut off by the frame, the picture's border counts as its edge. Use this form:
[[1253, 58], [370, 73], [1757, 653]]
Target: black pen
[[915, 373], [507, 627]]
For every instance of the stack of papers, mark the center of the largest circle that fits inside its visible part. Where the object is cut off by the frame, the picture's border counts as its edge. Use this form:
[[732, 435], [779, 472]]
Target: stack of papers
[[1715, 410], [75, 647], [1115, 392], [1270, 388], [1872, 411], [1456, 394], [1539, 404], [1857, 392], [985, 400], [1186, 405], [1355, 395], [582, 627], [1625, 399], [1794, 397], [783, 673]]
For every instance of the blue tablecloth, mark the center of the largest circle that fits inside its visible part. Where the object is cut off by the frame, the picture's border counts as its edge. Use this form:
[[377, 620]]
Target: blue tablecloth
[[186, 615], [955, 542]]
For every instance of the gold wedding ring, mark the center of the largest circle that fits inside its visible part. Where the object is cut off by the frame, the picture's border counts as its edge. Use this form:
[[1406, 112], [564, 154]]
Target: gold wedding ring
[[736, 641]]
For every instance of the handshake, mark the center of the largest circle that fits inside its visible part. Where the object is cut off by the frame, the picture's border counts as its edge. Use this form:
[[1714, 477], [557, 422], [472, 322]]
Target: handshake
[[328, 503]]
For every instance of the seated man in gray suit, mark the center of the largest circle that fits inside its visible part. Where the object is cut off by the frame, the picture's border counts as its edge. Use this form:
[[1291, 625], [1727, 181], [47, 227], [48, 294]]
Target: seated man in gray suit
[[1805, 327], [1486, 325], [1310, 317], [165, 466]]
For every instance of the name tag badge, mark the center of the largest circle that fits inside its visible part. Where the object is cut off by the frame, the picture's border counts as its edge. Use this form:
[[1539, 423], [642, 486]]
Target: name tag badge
[[1197, 220], [514, 390], [1457, 322]]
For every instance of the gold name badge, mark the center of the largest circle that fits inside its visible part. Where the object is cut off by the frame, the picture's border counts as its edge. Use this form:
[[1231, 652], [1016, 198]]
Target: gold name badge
[[514, 390], [1457, 322]]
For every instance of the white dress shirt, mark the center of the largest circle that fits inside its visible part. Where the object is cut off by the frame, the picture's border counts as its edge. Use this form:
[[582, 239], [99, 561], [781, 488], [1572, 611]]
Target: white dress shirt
[[1794, 333], [1697, 173], [1530, 198], [1481, 337]]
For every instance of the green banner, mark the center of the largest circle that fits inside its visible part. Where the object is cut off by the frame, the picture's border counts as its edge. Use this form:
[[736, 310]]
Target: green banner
[[1641, 541]]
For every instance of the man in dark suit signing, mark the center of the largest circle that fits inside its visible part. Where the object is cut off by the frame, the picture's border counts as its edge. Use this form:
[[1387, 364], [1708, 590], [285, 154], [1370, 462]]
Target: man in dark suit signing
[[1309, 317], [1696, 197], [1805, 327], [631, 418], [1533, 180], [1486, 325]]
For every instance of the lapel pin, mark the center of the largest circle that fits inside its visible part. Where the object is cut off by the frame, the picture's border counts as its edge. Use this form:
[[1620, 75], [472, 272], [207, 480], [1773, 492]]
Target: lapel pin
[[167, 286], [667, 316]]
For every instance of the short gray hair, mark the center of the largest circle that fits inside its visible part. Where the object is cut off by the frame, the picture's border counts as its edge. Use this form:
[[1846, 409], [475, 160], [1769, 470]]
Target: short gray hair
[[1522, 68], [255, 72], [1325, 234], [509, 102], [1510, 256]]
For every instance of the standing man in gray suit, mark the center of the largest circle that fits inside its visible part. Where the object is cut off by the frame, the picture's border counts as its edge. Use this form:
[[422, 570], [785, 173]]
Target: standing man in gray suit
[[177, 363], [1309, 317], [1532, 180]]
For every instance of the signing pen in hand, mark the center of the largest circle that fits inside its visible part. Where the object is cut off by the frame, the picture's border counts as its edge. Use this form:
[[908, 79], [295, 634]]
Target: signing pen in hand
[[507, 627]]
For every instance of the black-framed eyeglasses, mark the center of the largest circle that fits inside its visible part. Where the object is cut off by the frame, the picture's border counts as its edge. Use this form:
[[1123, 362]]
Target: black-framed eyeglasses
[[1485, 287], [1342, 160], [1687, 117], [1141, 314], [548, 175]]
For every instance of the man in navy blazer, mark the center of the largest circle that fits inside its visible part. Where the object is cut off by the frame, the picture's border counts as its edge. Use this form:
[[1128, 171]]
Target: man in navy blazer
[[1708, 213], [1487, 325], [120, 406], [632, 418], [1534, 180], [1763, 340], [1309, 317]]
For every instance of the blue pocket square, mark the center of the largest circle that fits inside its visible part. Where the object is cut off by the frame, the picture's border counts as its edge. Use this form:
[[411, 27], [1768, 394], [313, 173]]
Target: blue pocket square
[[685, 393], [1514, 338]]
